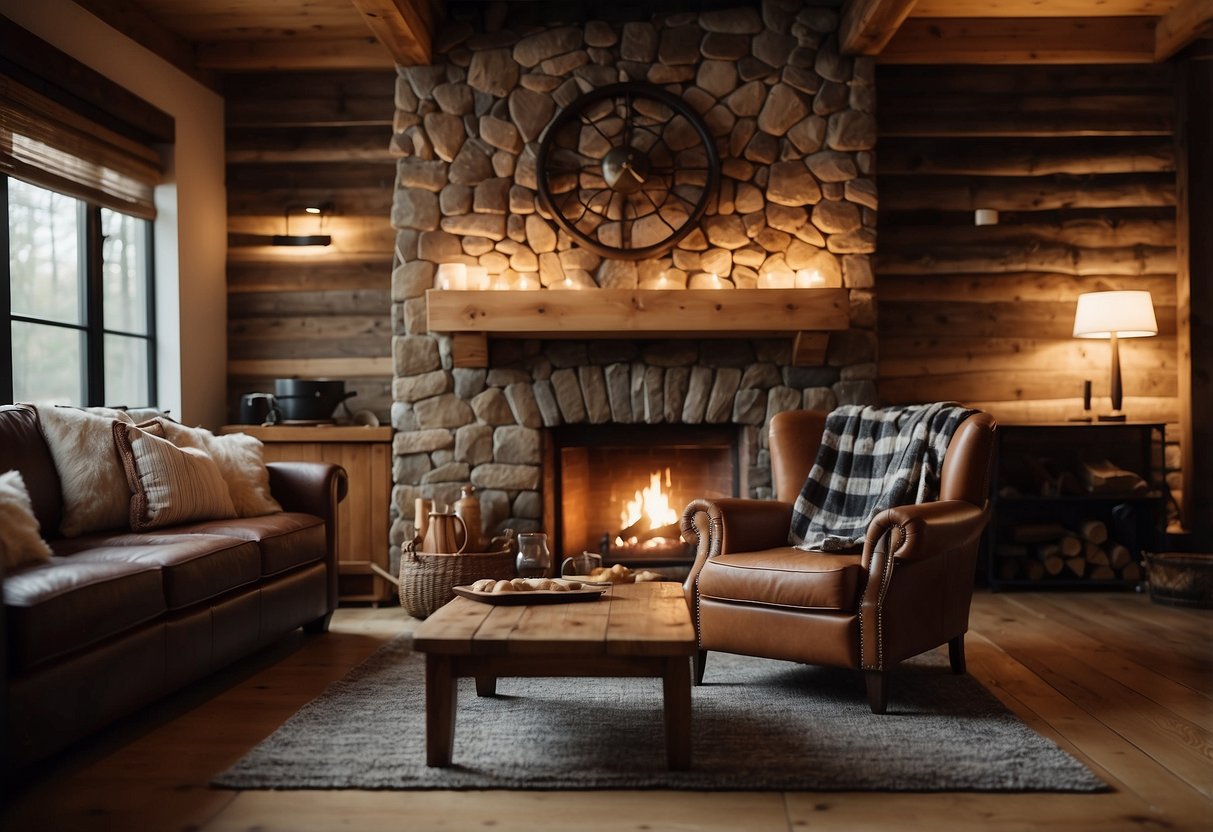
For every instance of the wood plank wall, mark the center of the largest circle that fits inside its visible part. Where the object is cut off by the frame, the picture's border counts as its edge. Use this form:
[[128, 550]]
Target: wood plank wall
[[1080, 164], [308, 138]]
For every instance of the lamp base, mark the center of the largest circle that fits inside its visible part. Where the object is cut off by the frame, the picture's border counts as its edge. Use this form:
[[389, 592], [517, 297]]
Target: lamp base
[[1112, 417]]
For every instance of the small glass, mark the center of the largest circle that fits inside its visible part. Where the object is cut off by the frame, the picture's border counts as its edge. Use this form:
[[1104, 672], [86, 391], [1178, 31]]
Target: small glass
[[534, 557]]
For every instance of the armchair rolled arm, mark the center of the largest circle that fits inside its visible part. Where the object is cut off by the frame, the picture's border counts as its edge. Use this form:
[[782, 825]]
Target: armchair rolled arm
[[908, 534], [922, 530], [716, 527]]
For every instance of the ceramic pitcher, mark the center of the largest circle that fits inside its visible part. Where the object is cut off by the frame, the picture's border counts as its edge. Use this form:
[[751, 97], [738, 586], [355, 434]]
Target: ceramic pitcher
[[446, 534]]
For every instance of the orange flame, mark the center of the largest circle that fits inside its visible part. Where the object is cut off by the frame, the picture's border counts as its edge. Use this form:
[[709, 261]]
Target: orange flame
[[652, 504]]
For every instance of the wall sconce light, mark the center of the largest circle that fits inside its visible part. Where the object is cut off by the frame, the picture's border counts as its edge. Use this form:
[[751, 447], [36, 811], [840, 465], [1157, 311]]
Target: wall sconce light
[[289, 239], [985, 216], [1114, 315]]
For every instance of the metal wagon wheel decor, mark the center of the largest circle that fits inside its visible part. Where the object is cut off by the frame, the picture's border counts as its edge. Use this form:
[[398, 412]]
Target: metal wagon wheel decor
[[627, 170]]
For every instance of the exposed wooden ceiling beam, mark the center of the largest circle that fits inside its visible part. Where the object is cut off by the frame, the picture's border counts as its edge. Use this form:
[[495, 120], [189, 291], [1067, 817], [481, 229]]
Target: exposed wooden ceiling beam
[[405, 27], [1093, 40], [129, 19], [295, 54], [1187, 21], [867, 25]]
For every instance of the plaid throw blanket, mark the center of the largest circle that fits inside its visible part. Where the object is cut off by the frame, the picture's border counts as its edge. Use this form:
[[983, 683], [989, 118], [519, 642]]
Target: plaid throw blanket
[[871, 459]]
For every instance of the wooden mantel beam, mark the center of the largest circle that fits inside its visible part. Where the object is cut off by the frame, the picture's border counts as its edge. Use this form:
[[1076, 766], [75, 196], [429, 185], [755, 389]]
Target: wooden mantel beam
[[867, 25], [1187, 21], [405, 27]]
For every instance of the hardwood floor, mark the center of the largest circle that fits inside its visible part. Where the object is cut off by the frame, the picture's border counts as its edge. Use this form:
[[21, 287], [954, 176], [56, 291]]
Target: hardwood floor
[[1125, 685]]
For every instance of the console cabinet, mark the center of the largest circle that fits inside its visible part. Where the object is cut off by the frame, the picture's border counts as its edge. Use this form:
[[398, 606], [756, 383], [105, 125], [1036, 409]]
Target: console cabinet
[[1075, 504], [363, 517]]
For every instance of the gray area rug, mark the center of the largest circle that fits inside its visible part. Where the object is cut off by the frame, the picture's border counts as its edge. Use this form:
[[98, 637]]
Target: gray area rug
[[758, 725]]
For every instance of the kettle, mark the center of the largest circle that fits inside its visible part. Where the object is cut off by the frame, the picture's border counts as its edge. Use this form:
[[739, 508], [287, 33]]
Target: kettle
[[259, 409], [445, 535]]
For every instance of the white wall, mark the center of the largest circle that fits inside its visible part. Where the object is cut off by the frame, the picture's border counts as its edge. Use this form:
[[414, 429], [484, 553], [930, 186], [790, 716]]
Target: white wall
[[191, 226]]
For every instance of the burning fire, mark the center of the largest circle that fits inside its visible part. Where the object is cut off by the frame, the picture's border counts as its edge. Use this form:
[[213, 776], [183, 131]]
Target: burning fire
[[649, 509]]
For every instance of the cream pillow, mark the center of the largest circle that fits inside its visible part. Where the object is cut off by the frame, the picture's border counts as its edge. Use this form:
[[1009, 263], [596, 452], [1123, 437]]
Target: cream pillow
[[95, 495], [240, 460], [20, 542], [169, 485]]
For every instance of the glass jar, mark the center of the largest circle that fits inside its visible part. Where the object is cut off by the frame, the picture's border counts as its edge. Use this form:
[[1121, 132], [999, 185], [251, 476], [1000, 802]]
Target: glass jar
[[534, 558]]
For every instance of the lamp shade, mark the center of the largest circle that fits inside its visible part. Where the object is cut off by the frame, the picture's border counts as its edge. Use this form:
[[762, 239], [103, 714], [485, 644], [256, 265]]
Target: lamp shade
[[1128, 314]]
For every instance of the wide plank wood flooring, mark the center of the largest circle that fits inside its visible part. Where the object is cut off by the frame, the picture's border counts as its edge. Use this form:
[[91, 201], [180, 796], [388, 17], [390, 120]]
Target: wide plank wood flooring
[[1125, 685]]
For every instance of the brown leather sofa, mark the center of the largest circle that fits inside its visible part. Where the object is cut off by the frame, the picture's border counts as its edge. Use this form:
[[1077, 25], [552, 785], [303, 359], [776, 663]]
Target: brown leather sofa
[[907, 592], [118, 619]]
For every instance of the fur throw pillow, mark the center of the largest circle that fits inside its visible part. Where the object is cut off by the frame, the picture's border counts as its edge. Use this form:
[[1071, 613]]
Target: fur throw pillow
[[240, 460], [95, 495], [20, 543]]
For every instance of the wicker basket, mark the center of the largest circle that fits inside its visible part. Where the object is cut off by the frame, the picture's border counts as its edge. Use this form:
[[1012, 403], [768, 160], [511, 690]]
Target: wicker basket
[[426, 579]]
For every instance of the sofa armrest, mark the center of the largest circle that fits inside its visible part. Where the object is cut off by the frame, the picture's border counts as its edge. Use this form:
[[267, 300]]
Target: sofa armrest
[[313, 488], [717, 527]]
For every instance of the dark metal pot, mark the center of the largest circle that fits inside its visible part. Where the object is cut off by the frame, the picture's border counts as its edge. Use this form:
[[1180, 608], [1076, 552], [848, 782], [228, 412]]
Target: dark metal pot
[[309, 400], [259, 409]]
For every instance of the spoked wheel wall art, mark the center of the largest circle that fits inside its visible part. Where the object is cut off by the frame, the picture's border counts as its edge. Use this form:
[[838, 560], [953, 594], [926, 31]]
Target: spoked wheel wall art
[[627, 170]]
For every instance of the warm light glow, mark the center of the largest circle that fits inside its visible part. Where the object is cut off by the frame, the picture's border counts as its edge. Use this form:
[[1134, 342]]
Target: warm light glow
[[651, 504], [501, 283], [809, 279], [776, 280], [452, 276], [312, 209], [528, 281], [1129, 314], [985, 216], [662, 282], [477, 278]]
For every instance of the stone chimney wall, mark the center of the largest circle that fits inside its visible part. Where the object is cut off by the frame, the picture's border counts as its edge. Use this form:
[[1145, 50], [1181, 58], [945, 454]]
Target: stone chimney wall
[[794, 127]]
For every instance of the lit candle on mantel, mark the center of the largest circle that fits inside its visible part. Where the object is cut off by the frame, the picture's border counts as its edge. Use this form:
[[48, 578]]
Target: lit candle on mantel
[[809, 279], [453, 276], [662, 281], [776, 280], [478, 278]]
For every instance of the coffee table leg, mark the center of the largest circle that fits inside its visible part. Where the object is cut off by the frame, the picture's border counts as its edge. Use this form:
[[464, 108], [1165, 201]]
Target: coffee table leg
[[440, 701], [486, 685], [676, 690]]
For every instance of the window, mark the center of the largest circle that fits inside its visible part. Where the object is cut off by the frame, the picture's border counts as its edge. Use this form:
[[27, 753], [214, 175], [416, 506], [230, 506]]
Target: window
[[79, 301]]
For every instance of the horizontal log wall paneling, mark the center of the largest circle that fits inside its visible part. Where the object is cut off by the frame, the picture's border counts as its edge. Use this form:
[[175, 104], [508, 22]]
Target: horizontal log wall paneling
[[311, 138], [1080, 164]]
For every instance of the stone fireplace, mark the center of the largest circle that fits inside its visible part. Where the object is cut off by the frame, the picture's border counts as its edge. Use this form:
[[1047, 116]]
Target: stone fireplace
[[793, 125]]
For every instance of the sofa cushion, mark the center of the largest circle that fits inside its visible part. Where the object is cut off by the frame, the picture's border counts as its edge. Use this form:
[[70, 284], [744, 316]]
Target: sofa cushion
[[785, 577], [169, 485], [194, 567], [23, 448], [65, 604], [287, 539]]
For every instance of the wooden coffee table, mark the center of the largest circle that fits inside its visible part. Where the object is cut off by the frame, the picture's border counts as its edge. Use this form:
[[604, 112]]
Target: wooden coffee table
[[633, 630]]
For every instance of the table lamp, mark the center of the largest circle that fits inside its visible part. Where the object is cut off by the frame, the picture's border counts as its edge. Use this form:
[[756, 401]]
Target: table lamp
[[1115, 315]]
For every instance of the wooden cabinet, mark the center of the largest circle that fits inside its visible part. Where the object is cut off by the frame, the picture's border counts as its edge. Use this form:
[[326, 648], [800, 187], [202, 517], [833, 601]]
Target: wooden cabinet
[[363, 518], [1057, 522]]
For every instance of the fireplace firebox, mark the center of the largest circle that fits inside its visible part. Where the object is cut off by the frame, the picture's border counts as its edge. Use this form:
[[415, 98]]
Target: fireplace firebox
[[620, 489]]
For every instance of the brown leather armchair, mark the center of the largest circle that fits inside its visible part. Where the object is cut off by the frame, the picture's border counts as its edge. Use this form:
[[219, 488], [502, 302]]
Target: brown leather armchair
[[907, 592]]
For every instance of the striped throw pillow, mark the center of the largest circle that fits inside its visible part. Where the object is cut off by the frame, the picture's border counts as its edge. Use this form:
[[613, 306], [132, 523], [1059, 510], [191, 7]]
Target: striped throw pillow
[[169, 485]]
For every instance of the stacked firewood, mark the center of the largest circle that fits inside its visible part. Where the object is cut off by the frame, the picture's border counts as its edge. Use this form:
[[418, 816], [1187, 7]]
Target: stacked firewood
[[1038, 551]]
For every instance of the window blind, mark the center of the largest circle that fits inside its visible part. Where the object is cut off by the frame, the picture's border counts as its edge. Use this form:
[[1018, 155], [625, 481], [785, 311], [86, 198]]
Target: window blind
[[47, 144]]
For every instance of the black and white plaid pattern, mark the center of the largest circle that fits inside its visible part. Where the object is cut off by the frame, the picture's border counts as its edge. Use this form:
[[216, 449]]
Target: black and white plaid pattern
[[870, 459]]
